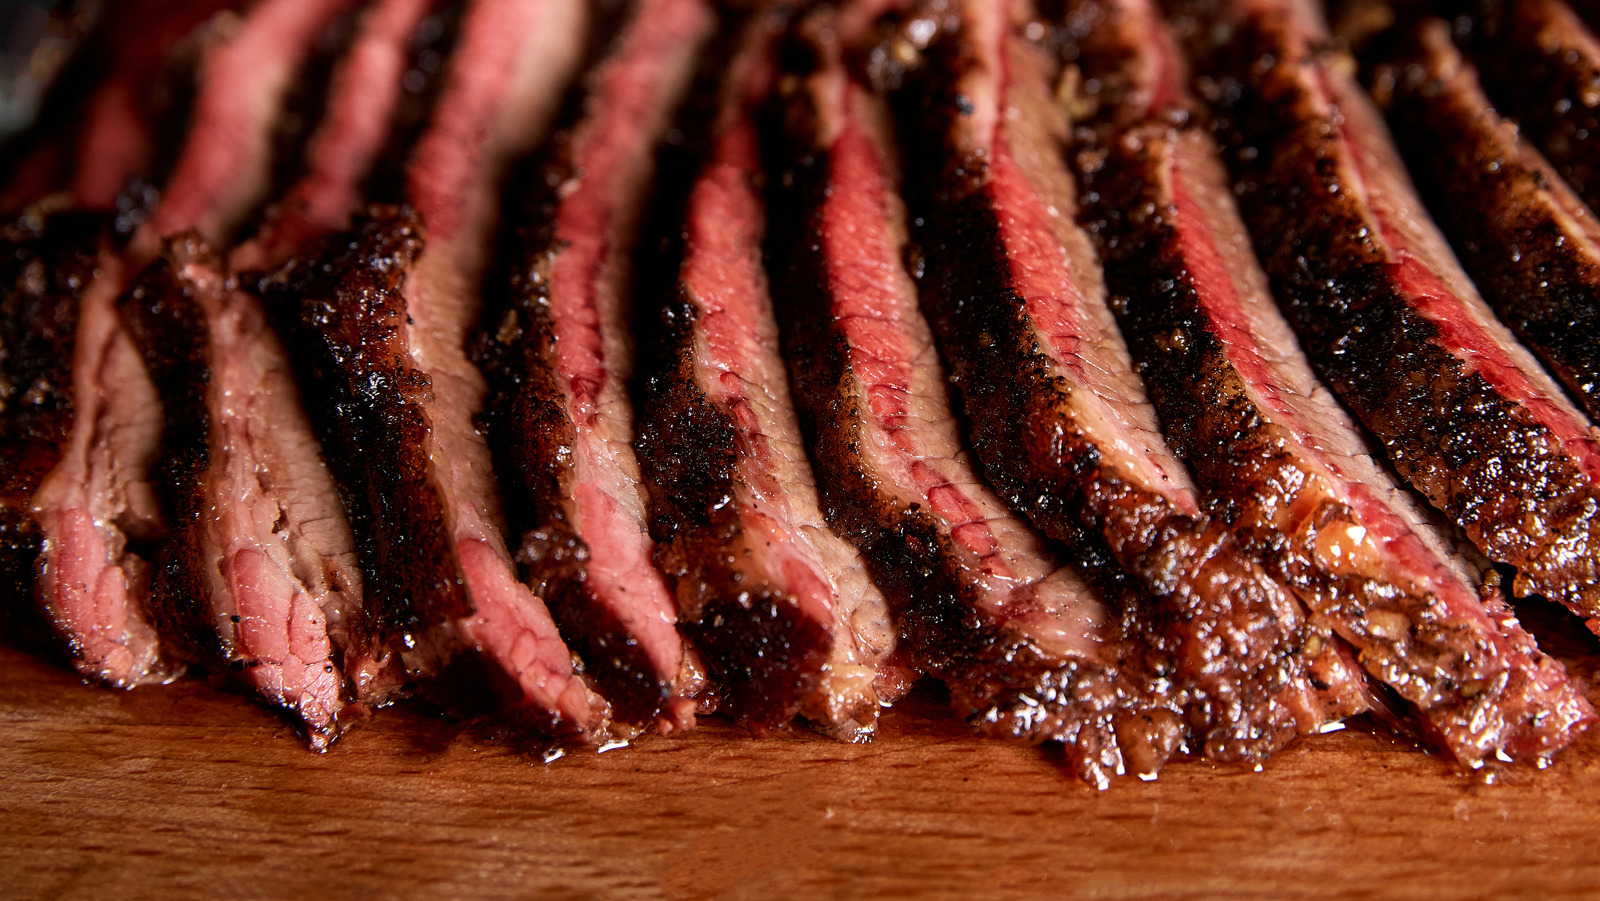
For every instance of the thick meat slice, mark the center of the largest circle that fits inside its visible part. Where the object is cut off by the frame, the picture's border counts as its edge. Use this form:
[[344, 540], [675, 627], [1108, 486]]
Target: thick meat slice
[[1529, 243], [558, 358], [782, 609], [1283, 465], [1389, 318], [1026, 649], [378, 327], [1541, 65], [1058, 417]]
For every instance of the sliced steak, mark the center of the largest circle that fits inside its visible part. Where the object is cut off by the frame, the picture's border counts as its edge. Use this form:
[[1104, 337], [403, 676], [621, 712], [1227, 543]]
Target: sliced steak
[[378, 325], [1528, 242], [558, 357], [1027, 650], [1388, 317], [1058, 417], [1282, 464], [225, 167], [1541, 65], [782, 608]]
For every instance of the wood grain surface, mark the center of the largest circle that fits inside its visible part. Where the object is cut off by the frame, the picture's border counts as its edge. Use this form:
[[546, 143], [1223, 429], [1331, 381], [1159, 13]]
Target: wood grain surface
[[184, 791]]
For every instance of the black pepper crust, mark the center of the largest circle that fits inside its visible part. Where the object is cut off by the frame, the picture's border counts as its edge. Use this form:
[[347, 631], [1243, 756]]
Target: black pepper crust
[[1474, 453], [46, 261]]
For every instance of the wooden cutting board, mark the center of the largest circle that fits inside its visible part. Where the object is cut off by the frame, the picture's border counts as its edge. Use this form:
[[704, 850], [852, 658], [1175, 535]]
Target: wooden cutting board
[[184, 791]]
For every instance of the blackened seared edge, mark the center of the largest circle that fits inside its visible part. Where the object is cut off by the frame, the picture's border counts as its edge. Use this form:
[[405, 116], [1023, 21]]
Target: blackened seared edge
[[45, 264], [1495, 209], [169, 327], [1003, 682], [342, 312], [1472, 452]]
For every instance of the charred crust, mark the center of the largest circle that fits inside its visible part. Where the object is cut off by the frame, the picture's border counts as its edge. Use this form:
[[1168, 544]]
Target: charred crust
[[342, 311]]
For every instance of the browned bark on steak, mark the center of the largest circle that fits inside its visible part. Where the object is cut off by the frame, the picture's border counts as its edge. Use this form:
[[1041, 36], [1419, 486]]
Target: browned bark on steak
[[1529, 243], [1385, 312], [558, 358], [1541, 65], [781, 608], [1058, 417], [981, 602], [1281, 463]]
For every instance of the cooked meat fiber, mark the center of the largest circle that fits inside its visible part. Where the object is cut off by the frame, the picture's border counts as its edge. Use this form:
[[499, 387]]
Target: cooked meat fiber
[[1528, 242], [1058, 417], [225, 167], [1282, 464], [783, 609], [1540, 63], [1395, 327], [1026, 649], [378, 325], [558, 358]]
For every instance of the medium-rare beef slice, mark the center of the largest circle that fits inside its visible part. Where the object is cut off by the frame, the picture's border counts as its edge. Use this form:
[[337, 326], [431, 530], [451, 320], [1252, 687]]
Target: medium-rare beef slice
[[225, 167], [1541, 65], [397, 363], [1529, 243], [1388, 317], [343, 313], [1057, 416], [558, 358], [1281, 463], [1027, 650], [48, 257], [782, 609]]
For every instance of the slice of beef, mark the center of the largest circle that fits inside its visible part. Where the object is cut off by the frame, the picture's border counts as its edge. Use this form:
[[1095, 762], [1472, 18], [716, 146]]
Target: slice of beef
[[377, 326], [361, 107], [49, 256], [1057, 416], [432, 44], [558, 358], [1282, 464], [225, 167], [1027, 650], [259, 577], [98, 517], [1526, 239], [781, 607], [1541, 65], [1388, 317]]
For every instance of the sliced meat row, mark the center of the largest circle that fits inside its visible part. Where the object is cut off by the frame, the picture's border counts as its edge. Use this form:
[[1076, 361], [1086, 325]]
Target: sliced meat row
[[1058, 417], [782, 609], [1281, 463], [559, 355], [1393, 324]]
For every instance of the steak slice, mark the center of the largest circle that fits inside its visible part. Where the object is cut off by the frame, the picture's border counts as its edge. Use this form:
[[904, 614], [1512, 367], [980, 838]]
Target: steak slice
[[225, 167], [377, 328], [558, 357], [1282, 464], [1391, 321], [782, 608], [1526, 239], [1541, 65], [1058, 417], [1027, 650]]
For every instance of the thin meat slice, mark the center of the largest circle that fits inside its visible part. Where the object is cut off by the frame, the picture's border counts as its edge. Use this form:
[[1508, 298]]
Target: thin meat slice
[[225, 167], [377, 326], [782, 608], [1391, 321], [1541, 65], [1058, 417], [559, 356], [1027, 650], [1526, 239], [1282, 464]]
